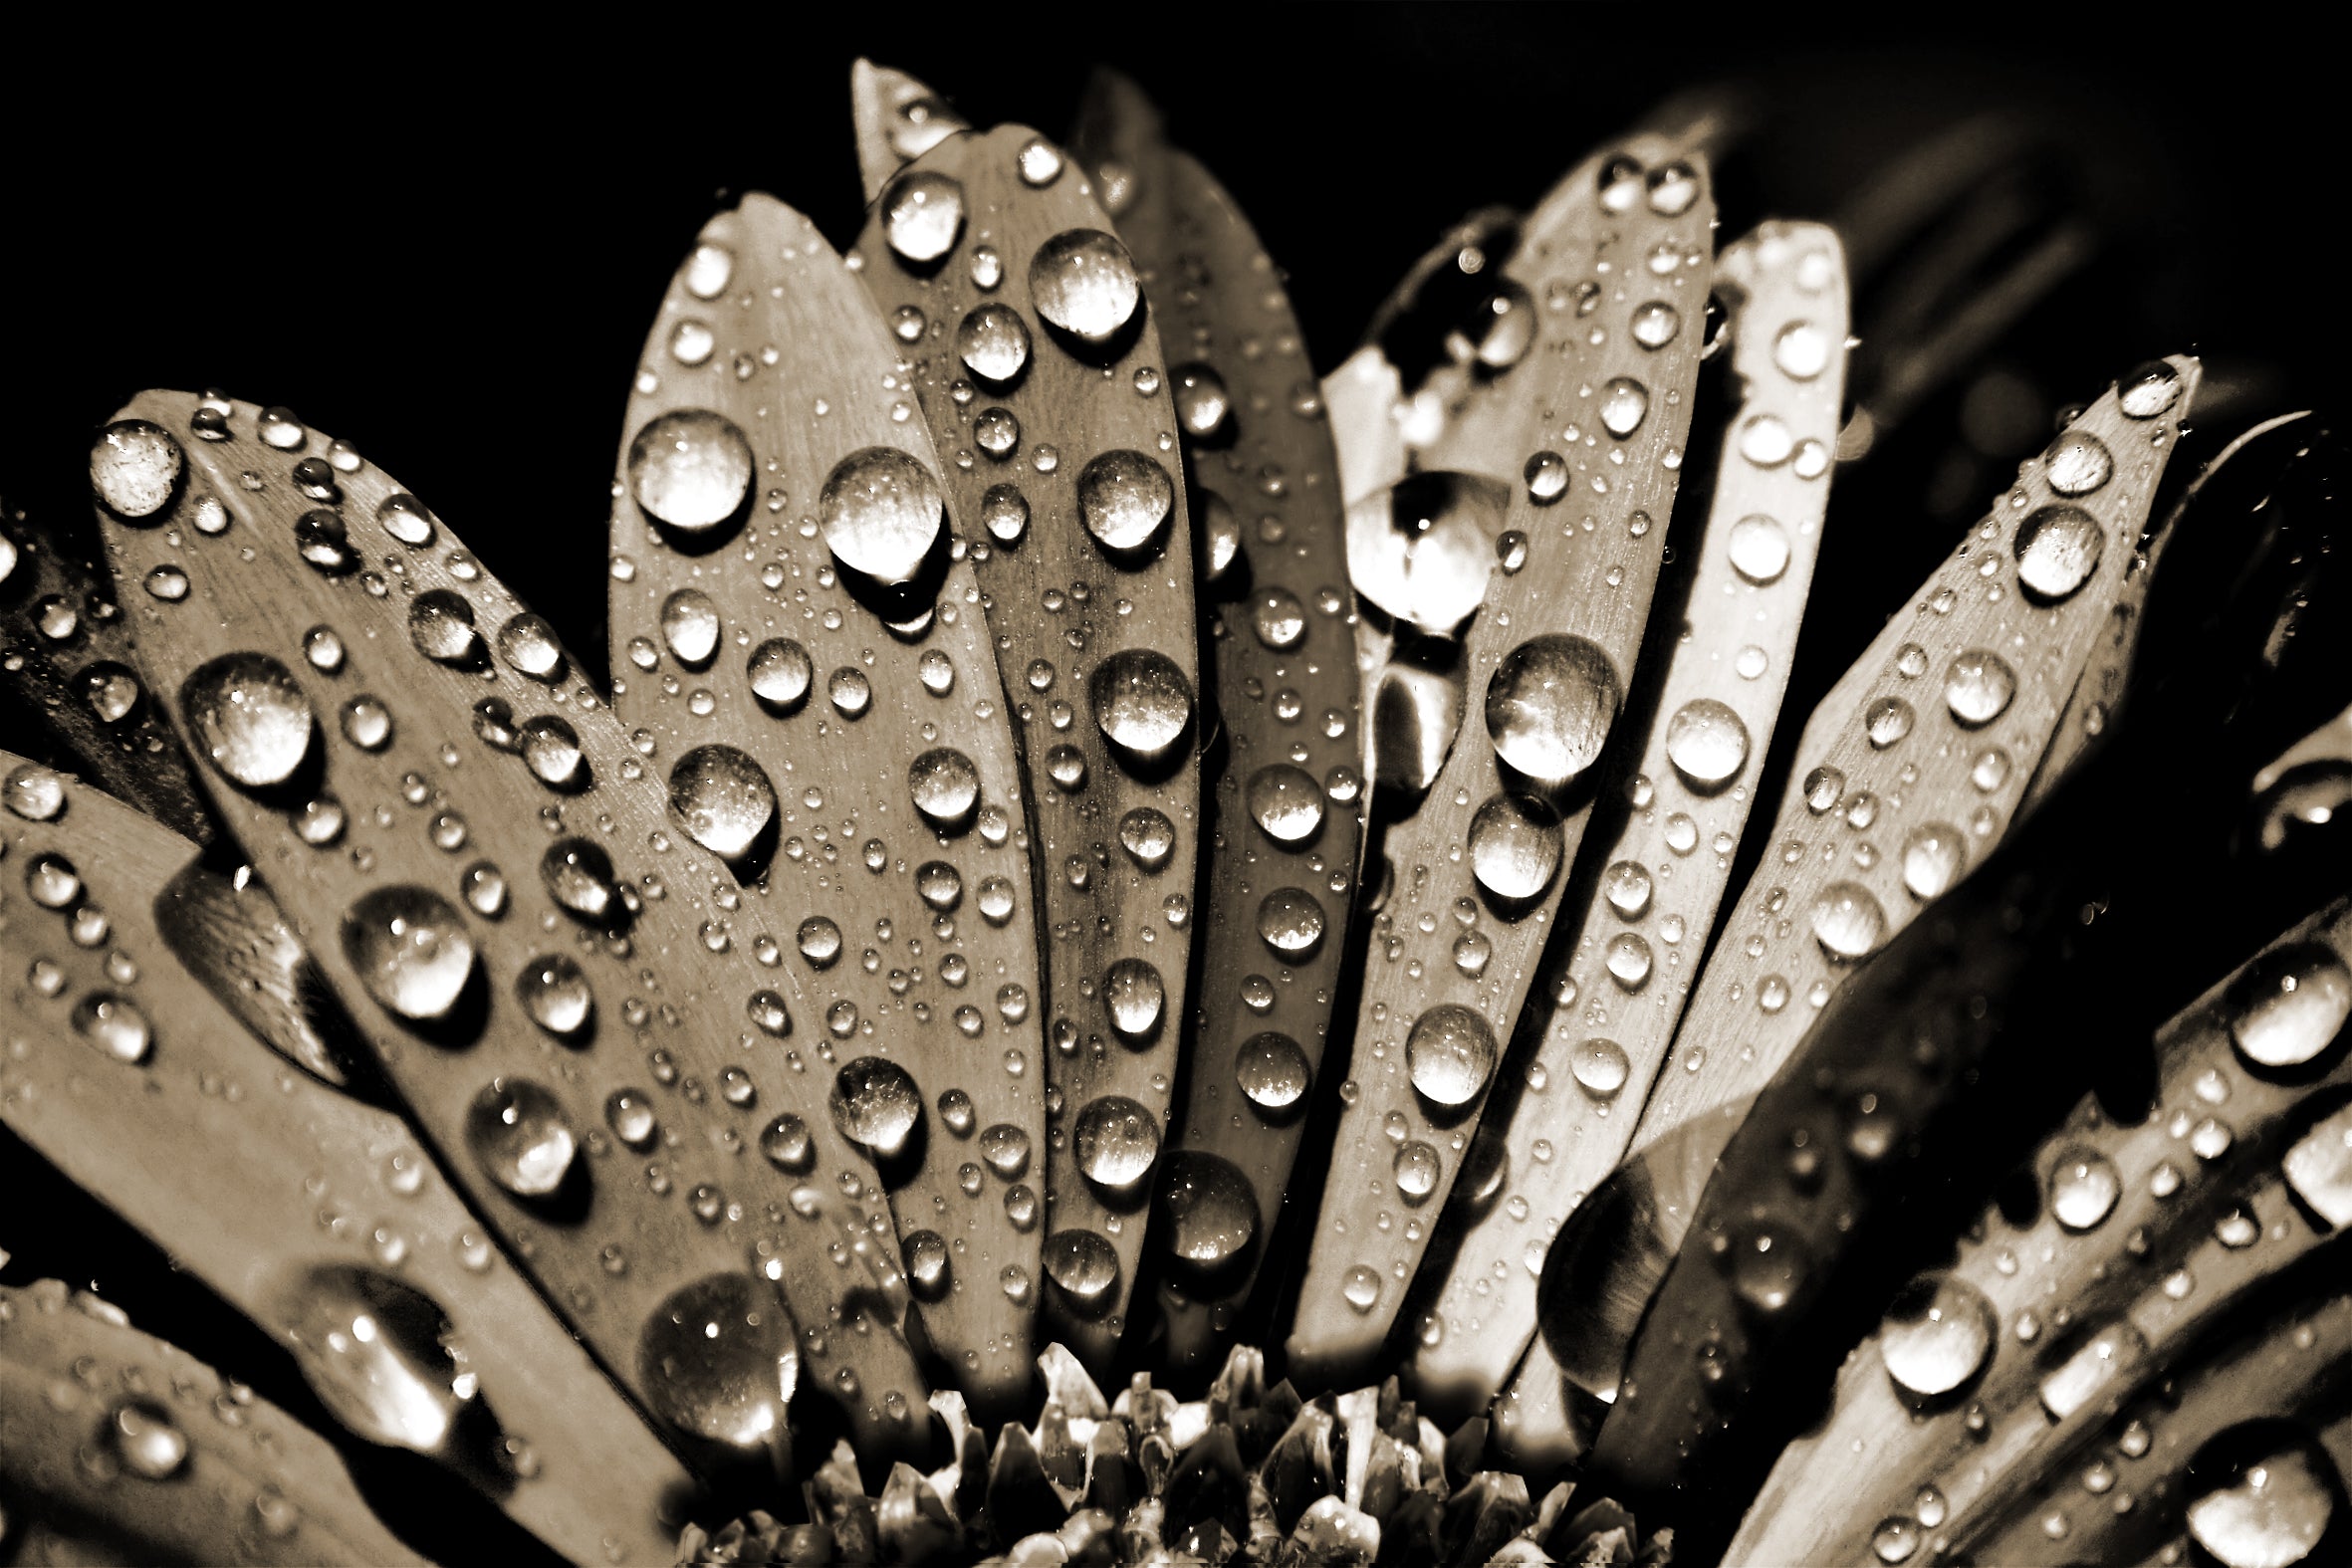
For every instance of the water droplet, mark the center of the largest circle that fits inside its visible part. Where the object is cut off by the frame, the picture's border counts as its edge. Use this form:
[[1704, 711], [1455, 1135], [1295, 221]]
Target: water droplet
[[518, 1133], [922, 215], [1202, 402], [1085, 1268], [1847, 921], [1656, 323], [578, 876], [1895, 1539], [1084, 281], [249, 717], [1209, 1211], [1148, 836], [1416, 1170], [1422, 551], [377, 1353], [2084, 1189], [145, 1441], [1286, 802], [1273, 1072], [1932, 859], [928, 1269], [1125, 499], [1623, 404], [35, 793], [716, 1361], [441, 625], [690, 469], [781, 672], [1825, 788], [410, 950], [1600, 1067], [1361, 1287], [1134, 997], [551, 750], [1759, 547], [1801, 351], [2272, 1515], [1887, 721], [1449, 1055], [945, 786], [1278, 618], [2290, 1006], [1936, 1336], [135, 467], [405, 519], [527, 645], [1004, 510], [881, 512], [1549, 706], [1290, 922], [786, 1143], [1141, 700], [1516, 847], [1978, 688], [1116, 1141], [877, 1105], [2057, 548], [115, 1026], [2148, 391], [556, 993], [2078, 463], [1707, 744], [724, 798]]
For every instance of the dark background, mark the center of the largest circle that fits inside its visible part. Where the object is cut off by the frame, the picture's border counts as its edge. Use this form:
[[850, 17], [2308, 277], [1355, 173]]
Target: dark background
[[447, 253]]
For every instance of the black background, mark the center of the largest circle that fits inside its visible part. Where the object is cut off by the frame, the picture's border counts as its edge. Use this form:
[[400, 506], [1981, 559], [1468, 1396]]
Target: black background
[[447, 251]]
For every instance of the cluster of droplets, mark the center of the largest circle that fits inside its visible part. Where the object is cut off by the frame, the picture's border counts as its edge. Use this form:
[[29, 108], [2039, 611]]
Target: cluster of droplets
[[107, 1017]]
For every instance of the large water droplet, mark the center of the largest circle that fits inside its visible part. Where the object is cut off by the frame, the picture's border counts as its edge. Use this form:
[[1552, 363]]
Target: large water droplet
[[556, 993], [716, 1361], [1209, 1212], [146, 1441], [2149, 391], [1936, 1336], [135, 467], [1932, 859], [690, 469], [881, 512], [1290, 922], [1707, 744], [922, 213], [1516, 847], [249, 717], [1847, 920], [1423, 550], [1273, 1072], [1085, 1268], [518, 1133], [441, 625], [1134, 997], [114, 1025], [1125, 499], [1286, 802], [1759, 547], [877, 1105], [781, 671], [2084, 1189], [2290, 1006], [993, 342], [724, 798], [690, 627], [1600, 1067], [1623, 404], [1116, 1141], [2272, 1515], [377, 1352], [410, 950], [1549, 706], [945, 786], [1084, 281], [1978, 688], [2077, 462], [1449, 1055], [578, 876], [529, 647], [1142, 702], [35, 793], [2057, 548]]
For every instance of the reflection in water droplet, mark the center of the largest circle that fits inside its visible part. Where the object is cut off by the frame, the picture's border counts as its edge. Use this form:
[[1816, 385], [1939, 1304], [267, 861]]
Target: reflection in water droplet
[[1936, 1336], [441, 625], [1978, 688], [779, 671], [1847, 920], [1116, 1142], [2057, 548], [2078, 463], [377, 1352], [1084, 281], [881, 512], [716, 1361], [1707, 744], [1286, 802], [1273, 1072], [249, 717], [945, 786], [135, 467], [993, 342], [556, 993], [1209, 1212], [1600, 1067], [1290, 922], [1549, 706], [410, 950], [1148, 836], [1516, 847], [518, 1133], [724, 798], [1887, 721], [1449, 1055], [1134, 997], [1931, 858], [1141, 700], [2149, 391], [1125, 499], [1423, 549], [1085, 1268], [922, 213], [691, 469], [877, 1105], [1501, 329]]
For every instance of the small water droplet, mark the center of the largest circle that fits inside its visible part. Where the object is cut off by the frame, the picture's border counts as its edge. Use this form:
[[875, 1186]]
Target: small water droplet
[[518, 1133]]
